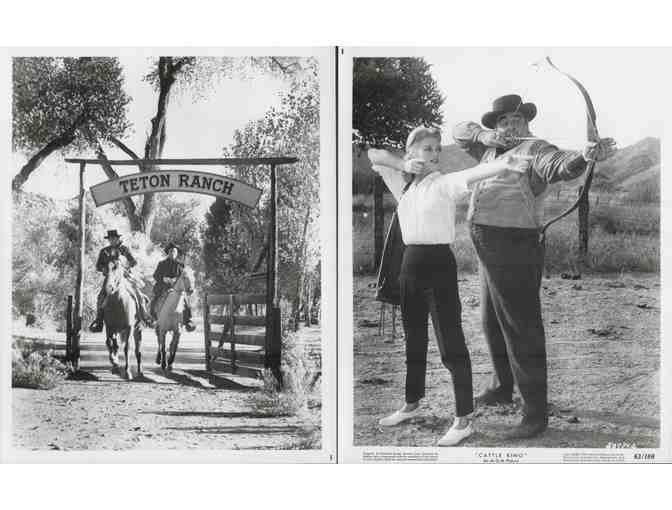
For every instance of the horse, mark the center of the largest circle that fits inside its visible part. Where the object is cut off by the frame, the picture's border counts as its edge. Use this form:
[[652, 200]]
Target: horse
[[169, 318], [120, 315]]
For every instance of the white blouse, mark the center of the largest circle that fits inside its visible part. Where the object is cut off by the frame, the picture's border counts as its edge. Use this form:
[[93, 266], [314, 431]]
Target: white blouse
[[427, 209]]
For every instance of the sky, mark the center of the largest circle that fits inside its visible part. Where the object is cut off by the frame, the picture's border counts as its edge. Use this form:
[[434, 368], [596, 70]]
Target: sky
[[626, 85], [194, 129]]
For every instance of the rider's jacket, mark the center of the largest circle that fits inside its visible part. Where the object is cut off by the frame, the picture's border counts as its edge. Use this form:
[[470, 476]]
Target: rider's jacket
[[167, 268], [110, 253]]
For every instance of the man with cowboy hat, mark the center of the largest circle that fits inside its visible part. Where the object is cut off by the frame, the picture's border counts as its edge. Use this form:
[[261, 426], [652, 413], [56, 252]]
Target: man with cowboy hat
[[113, 252], [166, 274], [505, 215]]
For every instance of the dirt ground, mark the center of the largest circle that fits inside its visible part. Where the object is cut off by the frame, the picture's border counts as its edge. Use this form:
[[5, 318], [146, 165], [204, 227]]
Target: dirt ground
[[185, 409], [603, 344]]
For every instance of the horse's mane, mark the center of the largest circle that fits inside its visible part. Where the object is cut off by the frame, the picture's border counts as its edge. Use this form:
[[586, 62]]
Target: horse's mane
[[116, 279]]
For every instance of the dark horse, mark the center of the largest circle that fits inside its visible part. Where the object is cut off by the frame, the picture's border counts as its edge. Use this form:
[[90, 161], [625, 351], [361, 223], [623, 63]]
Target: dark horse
[[120, 313]]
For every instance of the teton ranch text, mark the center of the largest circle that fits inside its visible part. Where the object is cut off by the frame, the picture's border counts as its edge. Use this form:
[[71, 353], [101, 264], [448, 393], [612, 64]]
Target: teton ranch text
[[186, 181]]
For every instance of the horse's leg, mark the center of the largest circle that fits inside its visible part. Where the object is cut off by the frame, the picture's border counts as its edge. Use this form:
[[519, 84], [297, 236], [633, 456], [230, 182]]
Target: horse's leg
[[158, 345], [173, 347], [137, 336], [111, 348], [125, 337], [162, 348]]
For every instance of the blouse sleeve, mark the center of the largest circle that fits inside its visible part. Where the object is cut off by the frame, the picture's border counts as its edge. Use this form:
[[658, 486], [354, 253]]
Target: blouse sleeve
[[392, 179], [453, 185]]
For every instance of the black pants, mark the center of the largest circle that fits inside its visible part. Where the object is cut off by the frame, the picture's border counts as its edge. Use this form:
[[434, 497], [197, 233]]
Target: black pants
[[511, 262], [429, 286]]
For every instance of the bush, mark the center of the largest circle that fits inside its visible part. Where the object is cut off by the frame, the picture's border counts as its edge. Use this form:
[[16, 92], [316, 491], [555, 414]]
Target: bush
[[608, 252], [34, 368], [301, 393], [624, 236]]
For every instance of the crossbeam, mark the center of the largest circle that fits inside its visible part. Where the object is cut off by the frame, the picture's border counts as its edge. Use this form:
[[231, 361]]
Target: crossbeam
[[192, 161]]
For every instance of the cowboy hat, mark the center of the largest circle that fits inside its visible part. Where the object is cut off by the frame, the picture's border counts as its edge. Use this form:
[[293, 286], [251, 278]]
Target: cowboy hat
[[508, 104], [112, 233]]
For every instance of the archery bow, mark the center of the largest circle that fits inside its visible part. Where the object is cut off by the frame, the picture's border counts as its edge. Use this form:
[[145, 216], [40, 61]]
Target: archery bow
[[593, 136]]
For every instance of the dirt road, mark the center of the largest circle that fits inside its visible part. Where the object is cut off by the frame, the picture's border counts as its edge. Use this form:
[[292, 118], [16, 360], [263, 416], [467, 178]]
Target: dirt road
[[185, 409], [603, 343]]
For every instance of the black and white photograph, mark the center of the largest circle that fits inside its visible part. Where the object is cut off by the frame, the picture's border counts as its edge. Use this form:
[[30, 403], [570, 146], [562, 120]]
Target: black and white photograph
[[168, 254], [513, 196]]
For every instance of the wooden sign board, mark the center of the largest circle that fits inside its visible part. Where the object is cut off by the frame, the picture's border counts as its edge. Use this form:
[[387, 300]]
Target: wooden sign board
[[181, 181]]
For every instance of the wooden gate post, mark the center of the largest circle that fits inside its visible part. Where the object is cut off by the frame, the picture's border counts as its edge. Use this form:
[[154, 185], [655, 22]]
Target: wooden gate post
[[273, 342], [68, 328], [77, 321]]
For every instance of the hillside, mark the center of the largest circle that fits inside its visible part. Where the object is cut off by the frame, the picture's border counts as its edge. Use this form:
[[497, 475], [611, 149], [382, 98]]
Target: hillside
[[634, 164]]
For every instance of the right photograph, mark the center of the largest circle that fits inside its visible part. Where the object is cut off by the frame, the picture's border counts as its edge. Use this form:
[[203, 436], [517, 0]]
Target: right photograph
[[505, 256]]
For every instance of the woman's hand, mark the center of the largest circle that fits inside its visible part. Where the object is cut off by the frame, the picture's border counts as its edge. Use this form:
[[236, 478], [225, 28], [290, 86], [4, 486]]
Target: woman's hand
[[517, 163], [415, 166]]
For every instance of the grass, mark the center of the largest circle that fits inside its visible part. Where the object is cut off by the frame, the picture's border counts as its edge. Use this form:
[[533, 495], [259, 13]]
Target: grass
[[299, 396], [35, 368], [624, 235]]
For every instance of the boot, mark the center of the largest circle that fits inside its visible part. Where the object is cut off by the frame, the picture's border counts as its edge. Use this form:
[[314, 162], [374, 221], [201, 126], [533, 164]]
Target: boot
[[97, 325], [186, 318]]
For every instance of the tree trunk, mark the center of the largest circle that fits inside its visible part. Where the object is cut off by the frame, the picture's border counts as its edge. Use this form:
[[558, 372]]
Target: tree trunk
[[57, 143], [584, 209], [156, 140], [301, 280], [134, 220], [378, 220]]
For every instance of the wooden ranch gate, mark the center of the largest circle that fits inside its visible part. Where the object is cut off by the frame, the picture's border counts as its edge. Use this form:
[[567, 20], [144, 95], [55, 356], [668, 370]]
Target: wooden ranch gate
[[249, 360], [237, 331]]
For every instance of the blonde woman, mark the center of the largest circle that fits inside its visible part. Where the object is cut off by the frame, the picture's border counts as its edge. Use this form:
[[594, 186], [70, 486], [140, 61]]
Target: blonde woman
[[428, 278]]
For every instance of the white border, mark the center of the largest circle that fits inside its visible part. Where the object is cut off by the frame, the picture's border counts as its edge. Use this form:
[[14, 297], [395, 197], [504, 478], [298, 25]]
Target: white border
[[354, 454], [327, 453]]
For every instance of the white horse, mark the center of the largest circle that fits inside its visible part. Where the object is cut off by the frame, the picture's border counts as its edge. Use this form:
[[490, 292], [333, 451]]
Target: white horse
[[169, 318]]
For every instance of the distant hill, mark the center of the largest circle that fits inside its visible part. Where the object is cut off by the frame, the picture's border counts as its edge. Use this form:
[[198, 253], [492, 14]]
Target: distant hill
[[635, 164], [638, 163]]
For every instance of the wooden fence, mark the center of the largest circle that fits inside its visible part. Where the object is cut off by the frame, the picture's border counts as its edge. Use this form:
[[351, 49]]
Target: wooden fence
[[237, 336]]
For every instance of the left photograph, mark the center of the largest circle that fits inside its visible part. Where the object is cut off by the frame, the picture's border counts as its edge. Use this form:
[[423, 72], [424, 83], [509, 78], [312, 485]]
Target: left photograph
[[167, 256]]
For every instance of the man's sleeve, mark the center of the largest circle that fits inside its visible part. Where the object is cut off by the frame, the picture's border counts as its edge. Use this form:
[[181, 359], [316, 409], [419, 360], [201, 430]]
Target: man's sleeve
[[127, 253], [393, 179], [465, 135], [158, 272], [100, 263], [553, 165]]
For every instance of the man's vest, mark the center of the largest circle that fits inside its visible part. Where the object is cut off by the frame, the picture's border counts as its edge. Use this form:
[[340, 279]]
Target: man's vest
[[507, 199]]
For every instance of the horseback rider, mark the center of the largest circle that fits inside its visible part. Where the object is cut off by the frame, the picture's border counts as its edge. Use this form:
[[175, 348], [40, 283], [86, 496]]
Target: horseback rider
[[113, 252], [166, 274]]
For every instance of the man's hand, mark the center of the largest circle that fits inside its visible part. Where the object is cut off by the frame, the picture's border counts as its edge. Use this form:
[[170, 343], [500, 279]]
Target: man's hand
[[599, 151], [415, 166], [491, 138]]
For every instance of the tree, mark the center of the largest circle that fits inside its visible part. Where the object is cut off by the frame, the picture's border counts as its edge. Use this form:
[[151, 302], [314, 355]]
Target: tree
[[391, 96], [291, 129], [64, 104], [196, 76]]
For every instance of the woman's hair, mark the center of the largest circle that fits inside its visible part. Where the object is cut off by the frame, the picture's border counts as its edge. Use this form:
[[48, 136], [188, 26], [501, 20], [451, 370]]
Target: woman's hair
[[419, 134]]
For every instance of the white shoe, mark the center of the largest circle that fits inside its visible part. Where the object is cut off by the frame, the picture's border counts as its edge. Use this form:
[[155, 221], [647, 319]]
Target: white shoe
[[454, 435], [399, 416]]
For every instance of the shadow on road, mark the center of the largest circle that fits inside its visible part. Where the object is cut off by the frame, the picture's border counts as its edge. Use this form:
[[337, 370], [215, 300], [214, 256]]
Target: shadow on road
[[278, 429], [216, 414]]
